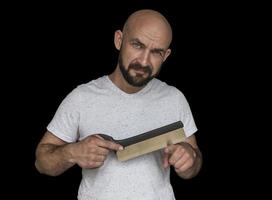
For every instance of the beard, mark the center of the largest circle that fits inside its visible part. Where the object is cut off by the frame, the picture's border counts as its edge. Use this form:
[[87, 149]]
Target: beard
[[139, 80]]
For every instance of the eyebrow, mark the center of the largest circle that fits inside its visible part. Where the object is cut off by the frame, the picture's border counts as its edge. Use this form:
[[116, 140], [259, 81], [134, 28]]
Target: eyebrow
[[158, 50], [142, 44], [137, 41]]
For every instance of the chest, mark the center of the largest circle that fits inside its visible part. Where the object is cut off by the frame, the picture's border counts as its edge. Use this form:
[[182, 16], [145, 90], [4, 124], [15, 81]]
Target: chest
[[122, 118]]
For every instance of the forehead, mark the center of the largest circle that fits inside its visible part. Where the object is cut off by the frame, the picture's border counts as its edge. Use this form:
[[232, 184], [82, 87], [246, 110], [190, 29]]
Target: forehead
[[149, 36]]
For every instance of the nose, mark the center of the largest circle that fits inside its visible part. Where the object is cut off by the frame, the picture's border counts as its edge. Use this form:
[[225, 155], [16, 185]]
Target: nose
[[145, 58]]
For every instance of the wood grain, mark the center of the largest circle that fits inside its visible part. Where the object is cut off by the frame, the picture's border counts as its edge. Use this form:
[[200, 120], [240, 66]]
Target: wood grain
[[152, 144]]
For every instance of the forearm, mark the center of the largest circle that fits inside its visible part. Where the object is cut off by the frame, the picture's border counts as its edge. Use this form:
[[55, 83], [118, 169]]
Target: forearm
[[53, 159], [194, 170]]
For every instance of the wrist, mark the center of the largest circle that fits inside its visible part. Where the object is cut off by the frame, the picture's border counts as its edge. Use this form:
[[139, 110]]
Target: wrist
[[70, 150]]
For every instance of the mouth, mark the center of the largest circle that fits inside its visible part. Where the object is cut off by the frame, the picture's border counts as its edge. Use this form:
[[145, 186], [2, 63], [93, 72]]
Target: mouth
[[141, 72]]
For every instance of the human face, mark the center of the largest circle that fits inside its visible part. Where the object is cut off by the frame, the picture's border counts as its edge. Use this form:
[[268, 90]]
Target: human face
[[143, 74], [140, 58]]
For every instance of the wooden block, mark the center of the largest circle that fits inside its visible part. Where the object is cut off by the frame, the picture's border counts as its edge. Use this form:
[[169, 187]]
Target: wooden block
[[150, 145], [149, 141]]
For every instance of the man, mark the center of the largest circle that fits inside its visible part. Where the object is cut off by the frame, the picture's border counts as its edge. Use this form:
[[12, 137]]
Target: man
[[126, 103]]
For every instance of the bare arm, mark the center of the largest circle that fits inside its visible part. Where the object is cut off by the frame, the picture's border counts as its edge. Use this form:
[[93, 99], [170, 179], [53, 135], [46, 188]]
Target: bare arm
[[185, 157], [54, 156]]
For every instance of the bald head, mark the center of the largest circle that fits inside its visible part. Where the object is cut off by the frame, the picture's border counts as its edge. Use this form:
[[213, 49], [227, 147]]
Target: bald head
[[152, 21]]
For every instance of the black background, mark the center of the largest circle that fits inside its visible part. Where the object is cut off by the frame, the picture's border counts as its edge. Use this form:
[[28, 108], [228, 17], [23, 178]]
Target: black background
[[53, 48]]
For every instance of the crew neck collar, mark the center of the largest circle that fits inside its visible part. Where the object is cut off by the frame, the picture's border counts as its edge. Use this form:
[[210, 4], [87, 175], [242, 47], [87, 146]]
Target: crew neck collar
[[118, 90]]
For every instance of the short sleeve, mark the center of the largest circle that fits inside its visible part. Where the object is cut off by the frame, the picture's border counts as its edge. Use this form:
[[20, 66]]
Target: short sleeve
[[65, 122], [186, 115]]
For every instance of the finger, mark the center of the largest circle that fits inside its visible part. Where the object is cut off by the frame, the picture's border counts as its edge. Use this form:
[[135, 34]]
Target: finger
[[181, 161], [101, 151], [189, 148], [98, 164], [176, 155], [165, 160], [185, 163], [97, 158], [92, 165], [167, 153], [185, 166], [98, 136], [170, 149], [109, 145], [178, 164]]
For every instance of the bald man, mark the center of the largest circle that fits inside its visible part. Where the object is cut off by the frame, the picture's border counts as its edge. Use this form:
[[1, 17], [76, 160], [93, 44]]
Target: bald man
[[123, 104]]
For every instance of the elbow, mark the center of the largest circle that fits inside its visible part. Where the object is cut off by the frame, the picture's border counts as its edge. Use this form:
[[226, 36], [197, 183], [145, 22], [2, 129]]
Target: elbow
[[45, 170]]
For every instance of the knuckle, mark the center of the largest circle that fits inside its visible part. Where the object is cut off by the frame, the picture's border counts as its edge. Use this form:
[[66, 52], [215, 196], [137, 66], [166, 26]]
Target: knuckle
[[180, 148], [93, 140], [90, 138], [112, 145]]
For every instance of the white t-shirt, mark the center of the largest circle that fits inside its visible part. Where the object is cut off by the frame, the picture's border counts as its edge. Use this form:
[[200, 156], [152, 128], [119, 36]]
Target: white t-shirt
[[101, 107]]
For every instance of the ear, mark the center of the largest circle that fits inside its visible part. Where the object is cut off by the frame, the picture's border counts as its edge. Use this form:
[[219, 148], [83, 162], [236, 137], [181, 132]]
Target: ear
[[167, 53], [118, 36]]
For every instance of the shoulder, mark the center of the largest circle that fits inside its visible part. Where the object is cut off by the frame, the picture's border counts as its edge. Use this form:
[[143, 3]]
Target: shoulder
[[92, 86], [86, 91], [166, 89]]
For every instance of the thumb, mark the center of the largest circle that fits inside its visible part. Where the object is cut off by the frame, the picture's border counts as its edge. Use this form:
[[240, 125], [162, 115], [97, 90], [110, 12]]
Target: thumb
[[166, 160]]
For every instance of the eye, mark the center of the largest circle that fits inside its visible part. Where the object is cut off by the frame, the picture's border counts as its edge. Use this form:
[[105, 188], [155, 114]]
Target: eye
[[158, 53], [136, 45]]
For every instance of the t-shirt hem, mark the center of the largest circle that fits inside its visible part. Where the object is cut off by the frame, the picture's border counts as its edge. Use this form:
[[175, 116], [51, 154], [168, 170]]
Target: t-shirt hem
[[60, 135], [190, 132]]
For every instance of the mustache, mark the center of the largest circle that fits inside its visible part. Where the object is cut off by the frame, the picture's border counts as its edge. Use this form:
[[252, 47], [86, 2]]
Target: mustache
[[138, 66]]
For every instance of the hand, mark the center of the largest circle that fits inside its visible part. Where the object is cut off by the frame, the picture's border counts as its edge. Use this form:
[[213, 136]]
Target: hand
[[180, 156], [92, 151]]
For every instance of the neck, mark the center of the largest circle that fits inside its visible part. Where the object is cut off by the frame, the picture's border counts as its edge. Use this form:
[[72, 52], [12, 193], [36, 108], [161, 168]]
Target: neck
[[117, 78]]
